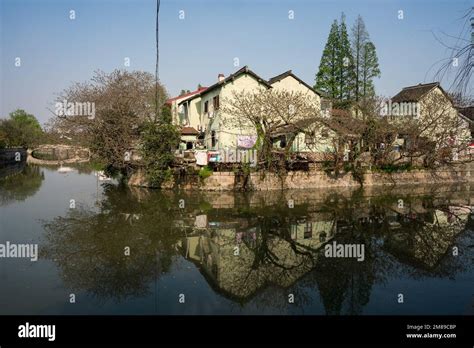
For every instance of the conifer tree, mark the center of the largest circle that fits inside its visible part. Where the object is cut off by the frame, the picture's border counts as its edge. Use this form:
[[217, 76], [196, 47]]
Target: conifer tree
[[365, 60], [336, 76], [346, 64], [327, 76], [369, 69]]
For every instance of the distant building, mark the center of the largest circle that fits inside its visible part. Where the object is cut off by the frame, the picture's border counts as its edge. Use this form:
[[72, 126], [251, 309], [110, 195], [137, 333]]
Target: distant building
[[432, 106]]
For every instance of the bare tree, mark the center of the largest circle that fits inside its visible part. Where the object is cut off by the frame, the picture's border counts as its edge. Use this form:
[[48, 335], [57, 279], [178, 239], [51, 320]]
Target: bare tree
[[266, 112], [460, 61], [437, 136], [123, 102]]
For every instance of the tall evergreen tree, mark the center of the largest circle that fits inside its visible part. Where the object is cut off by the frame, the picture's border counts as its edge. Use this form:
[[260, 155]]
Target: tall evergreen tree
[[346, 64], [360, 36], [336, 74], [365, 60], [327, 76], [369, 69]]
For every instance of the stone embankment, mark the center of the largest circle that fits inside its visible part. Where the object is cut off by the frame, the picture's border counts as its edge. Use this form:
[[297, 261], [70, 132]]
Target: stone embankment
[[230, 181]]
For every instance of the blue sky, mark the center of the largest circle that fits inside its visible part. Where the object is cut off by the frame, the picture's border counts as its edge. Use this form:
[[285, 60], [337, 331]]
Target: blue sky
[[56, 51]]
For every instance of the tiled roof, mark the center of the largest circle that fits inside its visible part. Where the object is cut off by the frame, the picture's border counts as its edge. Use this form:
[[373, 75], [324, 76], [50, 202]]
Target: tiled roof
[[244, 70], [414, 93], [340, 112], [189, 131], [467, 111], [290, 73], [199, 90], [231, 77]]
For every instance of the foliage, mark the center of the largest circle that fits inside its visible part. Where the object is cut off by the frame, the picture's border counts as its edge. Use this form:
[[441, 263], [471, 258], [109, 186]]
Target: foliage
[[22, 185], [124, 102], [270, 113], [158, 142], [369, 69], [348, 66], [365, 60], [327, 76], [336, 74], [205, 172], [20, 130], [391, 168], [3, 139]]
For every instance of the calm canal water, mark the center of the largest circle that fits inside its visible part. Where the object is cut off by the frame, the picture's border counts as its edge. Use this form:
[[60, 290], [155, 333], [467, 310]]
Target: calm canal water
[[232, 253]]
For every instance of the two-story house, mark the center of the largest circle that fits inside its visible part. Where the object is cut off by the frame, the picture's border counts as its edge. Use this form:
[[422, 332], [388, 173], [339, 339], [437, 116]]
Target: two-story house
[[202, 110], [430, 105]]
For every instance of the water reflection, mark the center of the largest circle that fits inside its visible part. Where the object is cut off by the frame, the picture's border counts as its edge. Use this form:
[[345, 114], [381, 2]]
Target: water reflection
[[253, 246], [19, 181]]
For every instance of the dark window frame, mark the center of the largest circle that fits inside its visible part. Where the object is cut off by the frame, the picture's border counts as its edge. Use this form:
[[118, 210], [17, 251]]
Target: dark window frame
[[215, 102], [213, 139]]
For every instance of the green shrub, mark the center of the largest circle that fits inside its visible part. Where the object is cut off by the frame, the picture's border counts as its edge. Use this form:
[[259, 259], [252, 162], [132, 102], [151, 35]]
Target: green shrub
[[205, 172], [391, 168], [158, 142]]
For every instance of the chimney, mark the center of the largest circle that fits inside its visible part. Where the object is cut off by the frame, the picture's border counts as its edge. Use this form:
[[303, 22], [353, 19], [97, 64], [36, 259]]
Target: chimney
[[220, 77]]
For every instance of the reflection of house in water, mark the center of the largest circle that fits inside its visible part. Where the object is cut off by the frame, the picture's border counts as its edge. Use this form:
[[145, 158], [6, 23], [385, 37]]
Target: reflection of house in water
[[425, 241], [240, 257]]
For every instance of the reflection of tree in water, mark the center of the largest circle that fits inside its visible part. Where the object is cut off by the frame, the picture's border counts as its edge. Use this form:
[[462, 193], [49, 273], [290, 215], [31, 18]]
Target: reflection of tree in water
[[344, 283], [412, 241], [281, 249], [89, 246], [20, 186]]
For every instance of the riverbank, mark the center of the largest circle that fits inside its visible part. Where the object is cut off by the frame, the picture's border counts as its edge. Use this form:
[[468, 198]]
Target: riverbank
[[256, 181]]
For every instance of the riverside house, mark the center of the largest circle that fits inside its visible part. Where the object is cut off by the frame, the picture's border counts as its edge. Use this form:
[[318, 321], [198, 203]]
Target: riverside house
[[204, 125], [431, 105]]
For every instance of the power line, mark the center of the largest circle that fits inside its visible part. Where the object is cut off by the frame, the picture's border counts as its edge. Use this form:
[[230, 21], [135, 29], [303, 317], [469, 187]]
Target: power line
[[157, 72]]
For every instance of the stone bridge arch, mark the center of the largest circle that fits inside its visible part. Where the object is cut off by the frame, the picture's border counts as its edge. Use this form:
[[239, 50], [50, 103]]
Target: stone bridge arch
[[57, 154]]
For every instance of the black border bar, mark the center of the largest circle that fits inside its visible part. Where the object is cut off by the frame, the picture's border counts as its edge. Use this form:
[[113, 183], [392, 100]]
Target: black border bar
[[228, 330]]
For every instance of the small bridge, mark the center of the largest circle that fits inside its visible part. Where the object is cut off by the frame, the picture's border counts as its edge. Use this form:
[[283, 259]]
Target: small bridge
[[57, 154]]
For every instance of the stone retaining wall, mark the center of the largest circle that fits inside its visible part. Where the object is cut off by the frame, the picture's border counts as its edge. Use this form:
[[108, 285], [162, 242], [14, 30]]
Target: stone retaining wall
[[229, 181]]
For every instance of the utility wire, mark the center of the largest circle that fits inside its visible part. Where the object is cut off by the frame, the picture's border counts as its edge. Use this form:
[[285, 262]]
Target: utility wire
[[157, 72]]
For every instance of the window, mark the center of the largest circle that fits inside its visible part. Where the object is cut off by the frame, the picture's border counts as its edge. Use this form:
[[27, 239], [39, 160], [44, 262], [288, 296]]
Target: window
[[283, 141], [322, 237], [215, 102], [213, 138], [206, 106], [324, 133], [309, 139], [308, 230], [294, 231]]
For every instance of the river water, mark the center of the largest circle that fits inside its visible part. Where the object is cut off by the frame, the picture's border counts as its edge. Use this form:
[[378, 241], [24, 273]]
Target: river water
[[108, 249]]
